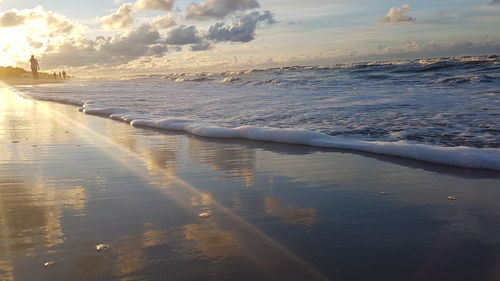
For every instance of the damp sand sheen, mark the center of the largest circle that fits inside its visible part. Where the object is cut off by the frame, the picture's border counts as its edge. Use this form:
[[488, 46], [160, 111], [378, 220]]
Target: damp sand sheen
[[84, 197]]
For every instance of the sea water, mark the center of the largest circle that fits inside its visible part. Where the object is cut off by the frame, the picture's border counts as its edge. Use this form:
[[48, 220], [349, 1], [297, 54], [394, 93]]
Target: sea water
[[443, 110]]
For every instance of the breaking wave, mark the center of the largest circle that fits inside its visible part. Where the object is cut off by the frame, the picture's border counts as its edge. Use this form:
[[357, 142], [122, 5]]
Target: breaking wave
[[441, 110], [467, 157], [461, 156]]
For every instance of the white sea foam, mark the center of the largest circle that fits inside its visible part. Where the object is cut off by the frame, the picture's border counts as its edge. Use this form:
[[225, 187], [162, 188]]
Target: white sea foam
[[230, 79], [410, 113], [468, 157], [455, 156]]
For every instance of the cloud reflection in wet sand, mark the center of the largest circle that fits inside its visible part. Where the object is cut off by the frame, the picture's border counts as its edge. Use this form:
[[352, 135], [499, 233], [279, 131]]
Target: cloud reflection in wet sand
[[211, 240], [291, 214], [236, 160]]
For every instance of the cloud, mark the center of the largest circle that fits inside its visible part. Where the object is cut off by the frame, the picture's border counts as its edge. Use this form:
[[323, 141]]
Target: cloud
[[218, 9], [120, 49], [201, 47], [416, 49], [119, 19], [52, 23], [11, 18], [163, 22], [397, 15], [183, 35], [241, 31], [143, 5], [122, 18]]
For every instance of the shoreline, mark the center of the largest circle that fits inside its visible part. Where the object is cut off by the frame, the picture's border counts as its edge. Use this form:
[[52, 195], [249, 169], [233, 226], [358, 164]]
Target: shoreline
[[460, 156], [70, 181], [27, 81]]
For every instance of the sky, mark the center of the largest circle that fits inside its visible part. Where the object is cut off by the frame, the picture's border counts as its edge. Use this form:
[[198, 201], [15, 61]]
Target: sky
[[158, 36]]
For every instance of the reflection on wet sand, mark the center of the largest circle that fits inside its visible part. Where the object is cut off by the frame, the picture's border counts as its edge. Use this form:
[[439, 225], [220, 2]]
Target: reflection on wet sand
[[6, 270], [160, 162], [212, 241], [204, 199], [130, 259], [32, 203], [235, 159], [33, 212], [31, 216], [16, 128], [291, 215]]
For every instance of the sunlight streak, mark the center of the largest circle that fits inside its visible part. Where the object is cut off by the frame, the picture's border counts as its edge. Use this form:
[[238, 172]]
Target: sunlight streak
[[257, 245]]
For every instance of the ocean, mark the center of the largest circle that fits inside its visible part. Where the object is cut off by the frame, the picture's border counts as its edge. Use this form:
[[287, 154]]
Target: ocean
[[441, 110]]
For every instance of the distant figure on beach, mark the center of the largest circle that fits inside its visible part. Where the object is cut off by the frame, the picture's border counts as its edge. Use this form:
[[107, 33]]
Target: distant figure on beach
[[34, 67], [55, 75], [60, 75], [64, 74]]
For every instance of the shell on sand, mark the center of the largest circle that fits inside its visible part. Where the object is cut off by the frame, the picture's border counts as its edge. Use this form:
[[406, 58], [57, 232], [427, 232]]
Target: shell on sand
[[204, 215], [102, 247]]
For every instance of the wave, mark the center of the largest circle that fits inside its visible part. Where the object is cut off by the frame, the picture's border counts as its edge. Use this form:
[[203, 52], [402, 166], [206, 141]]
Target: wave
[[197, 79], [230, 79], [461, 156], [467, 79], [373, 71], [396, 66]]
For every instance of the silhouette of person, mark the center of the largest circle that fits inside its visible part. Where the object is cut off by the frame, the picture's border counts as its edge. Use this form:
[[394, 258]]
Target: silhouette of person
[[55, 75], [64, 74], [34, 67], [60, 75]]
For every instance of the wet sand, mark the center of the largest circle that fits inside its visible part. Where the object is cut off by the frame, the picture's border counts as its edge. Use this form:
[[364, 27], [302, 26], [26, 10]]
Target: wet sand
[[26, 81], [70, 181]]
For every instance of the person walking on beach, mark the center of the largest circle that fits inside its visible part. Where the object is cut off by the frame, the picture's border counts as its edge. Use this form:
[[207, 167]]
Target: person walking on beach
[[34, 67], [55, 75], [64, 74]]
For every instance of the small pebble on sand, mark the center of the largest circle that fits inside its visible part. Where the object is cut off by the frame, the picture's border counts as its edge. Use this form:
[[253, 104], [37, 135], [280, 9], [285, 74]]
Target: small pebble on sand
[[452, 198], [49, 263], [102, 247], [204, 215]]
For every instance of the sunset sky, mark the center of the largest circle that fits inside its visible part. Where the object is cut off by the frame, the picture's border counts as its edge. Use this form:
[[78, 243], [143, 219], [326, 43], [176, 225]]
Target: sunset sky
[[95, 36]]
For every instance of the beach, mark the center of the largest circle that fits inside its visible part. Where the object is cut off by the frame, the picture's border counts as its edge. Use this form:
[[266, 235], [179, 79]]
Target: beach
[[28, 81], [169, 205]]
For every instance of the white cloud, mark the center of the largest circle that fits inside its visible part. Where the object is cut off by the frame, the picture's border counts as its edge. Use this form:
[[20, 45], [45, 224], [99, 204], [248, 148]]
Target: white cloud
[[218, 9], [122, 18], [165, 5], [163, 22], [51, 22], [241, 31], [120, 49], [11, 18], [397, 15]]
